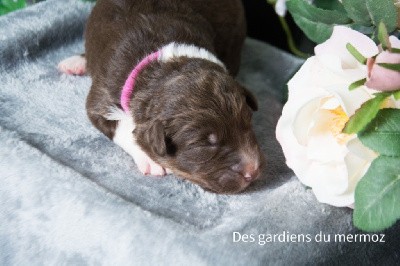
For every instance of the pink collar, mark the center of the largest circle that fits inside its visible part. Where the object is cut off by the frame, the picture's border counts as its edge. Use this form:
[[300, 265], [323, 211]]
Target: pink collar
[[127, 90], [171, 50]]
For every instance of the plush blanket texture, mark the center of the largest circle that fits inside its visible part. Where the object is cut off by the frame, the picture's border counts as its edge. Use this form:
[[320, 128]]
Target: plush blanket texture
[[70, 196]]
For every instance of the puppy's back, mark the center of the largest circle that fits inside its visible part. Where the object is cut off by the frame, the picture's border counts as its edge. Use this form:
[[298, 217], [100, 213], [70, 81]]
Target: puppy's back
[[141, 26]]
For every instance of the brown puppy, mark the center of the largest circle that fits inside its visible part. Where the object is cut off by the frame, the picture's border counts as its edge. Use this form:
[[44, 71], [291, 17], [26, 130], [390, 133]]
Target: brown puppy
[[184, 113]]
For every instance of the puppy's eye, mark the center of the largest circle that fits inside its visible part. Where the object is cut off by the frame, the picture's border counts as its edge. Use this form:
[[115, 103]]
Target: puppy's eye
[[212, 139]]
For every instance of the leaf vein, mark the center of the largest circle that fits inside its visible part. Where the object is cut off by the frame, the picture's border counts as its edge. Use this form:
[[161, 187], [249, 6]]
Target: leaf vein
[[380, 195]]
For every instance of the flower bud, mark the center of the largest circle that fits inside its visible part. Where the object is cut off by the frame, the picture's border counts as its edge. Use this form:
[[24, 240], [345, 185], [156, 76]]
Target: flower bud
[[381, 78]]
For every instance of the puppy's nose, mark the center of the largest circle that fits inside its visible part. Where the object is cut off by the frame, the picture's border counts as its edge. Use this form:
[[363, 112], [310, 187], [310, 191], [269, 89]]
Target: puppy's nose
[[249, 171], [251, 174]]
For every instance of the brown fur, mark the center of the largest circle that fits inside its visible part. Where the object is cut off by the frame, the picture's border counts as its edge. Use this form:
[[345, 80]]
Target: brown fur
[[179, 105]]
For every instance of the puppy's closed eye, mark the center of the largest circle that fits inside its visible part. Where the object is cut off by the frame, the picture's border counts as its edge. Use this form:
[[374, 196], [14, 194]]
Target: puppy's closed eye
[[200, 154], [202, 151]]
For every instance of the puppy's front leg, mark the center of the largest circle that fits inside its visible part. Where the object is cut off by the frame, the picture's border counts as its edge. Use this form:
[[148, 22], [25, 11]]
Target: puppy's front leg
[[124, 137]]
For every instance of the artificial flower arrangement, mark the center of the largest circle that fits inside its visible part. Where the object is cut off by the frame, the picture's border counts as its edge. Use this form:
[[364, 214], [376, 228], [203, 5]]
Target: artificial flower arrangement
[[340, 128]]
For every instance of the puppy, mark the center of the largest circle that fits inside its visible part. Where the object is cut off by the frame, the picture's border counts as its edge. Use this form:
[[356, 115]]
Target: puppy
[[163, 88]]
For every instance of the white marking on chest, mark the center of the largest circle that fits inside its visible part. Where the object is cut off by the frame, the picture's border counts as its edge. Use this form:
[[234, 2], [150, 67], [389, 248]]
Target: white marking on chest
[[124, 138]]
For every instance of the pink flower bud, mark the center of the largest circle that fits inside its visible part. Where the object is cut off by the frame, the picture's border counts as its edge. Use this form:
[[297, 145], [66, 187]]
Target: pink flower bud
[[381, 78]]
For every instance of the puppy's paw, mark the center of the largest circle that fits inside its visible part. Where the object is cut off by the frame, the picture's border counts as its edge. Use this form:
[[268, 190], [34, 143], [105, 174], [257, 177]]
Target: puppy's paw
[[168, 171], [74, 65], [124, 138], [147, 166]]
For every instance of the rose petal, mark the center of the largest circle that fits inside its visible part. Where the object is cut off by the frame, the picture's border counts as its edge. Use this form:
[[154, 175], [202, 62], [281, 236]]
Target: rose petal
[[357, 162], [293, 151], [301, 86], [324, 148], [304, 119], [330, 103], [344, 198], [350, 100], [394, 41], [336, 45], [329, 179], [338, 200], [301, 93], [358, 149], [335, 81], [332, 63], [387, 57]]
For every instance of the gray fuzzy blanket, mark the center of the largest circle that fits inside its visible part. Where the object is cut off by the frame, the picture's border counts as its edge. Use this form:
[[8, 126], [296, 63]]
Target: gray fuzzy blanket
[[69, 196]]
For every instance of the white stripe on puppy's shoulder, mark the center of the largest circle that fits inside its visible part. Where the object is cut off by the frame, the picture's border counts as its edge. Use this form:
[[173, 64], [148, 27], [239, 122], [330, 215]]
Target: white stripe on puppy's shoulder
[[123, 132], [177, 50], [116, 114]]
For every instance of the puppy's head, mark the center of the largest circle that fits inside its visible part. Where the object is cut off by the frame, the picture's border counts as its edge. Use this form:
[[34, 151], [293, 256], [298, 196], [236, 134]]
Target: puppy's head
[[203, 130]]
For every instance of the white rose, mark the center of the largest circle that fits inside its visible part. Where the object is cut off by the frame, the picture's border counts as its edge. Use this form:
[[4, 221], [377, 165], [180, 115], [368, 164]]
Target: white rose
[[319, 105]]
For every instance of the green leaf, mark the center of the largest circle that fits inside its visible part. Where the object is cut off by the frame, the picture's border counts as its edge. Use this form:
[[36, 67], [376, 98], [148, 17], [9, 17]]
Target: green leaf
[[357, 10], [367, 30], [377, 195], [365, 114], [316, 23], [383, 133], [383, 11], [13, 5], [312, 13], [357, 84], [396, 95], [395, 50], [315, 31], [395, 67], [3, 10], [357, 55], [383, 36], [330, 5]]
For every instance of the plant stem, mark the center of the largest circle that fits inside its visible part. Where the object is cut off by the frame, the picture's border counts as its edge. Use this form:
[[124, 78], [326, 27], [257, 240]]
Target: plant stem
[[289, 38]]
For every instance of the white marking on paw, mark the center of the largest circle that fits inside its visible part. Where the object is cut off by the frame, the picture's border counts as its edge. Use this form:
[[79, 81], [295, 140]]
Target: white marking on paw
[[125, 139], [74, 65], [168, 171], [146, 165]]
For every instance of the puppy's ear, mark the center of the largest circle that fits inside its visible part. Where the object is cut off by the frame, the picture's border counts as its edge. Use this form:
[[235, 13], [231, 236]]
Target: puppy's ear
[[155, 138], [250, 99]]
